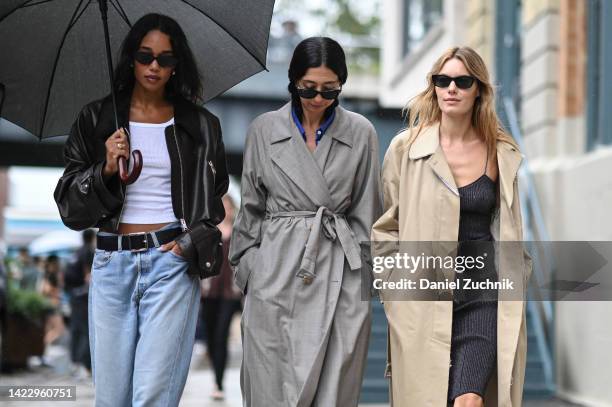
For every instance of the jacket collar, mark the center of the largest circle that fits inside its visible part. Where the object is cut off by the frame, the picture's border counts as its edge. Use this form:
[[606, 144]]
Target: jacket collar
[[185, 116], [426, 143], [334, 130]]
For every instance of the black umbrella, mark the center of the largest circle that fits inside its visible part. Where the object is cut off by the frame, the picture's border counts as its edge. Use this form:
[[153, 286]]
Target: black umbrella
[[56, 54]]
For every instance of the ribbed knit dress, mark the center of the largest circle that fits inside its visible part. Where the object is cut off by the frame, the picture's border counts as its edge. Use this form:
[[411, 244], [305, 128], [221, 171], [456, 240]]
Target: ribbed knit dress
[[474, 332]]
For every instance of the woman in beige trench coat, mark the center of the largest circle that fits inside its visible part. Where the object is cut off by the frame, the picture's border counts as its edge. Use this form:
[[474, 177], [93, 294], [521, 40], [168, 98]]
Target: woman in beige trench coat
[[422, 171]]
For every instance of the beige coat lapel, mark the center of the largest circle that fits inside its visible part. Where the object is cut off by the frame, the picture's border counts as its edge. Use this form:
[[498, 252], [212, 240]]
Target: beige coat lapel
[[428, 144]]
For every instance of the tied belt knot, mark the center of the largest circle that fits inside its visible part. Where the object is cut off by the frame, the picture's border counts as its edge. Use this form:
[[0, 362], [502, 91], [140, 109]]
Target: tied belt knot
[[331, 225]]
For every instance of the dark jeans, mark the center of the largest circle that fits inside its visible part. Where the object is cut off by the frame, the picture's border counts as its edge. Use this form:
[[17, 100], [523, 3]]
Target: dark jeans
[[79, 332], [217, 314]]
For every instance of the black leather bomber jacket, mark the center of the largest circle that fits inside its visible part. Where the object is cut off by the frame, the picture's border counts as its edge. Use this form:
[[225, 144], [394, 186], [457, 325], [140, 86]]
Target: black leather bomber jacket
[[199, 176]]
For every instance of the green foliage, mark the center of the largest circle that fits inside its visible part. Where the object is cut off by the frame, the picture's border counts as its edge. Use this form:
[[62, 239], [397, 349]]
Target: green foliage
[[346, 21], [356, 25], [28, 304]]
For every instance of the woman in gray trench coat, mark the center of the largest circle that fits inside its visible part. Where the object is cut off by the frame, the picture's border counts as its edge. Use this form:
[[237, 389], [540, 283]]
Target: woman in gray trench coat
[[310, 194]]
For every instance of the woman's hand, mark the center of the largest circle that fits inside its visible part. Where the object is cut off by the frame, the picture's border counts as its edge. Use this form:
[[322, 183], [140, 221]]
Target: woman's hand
[[171, 246], [116, 146]]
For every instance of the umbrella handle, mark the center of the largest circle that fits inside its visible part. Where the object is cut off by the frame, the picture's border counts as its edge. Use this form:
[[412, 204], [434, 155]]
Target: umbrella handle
[[126, 177]]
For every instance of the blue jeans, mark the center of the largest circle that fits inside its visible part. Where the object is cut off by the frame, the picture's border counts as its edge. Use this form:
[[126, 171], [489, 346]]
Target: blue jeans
[[143, 308]]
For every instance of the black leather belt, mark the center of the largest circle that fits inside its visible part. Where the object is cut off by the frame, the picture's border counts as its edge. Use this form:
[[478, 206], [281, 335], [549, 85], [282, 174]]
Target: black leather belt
[[137, 241]]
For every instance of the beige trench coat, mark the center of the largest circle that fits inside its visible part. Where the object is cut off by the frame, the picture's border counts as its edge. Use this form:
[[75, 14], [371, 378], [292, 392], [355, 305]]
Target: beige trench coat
[[422, 204]]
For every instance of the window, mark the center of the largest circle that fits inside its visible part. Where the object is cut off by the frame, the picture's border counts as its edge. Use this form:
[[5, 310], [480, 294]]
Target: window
[[508, 54], [419, 17], [599, 73]]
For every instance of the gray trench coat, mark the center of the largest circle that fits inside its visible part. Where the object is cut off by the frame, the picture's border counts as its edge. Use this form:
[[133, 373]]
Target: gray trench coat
[[299, 249]]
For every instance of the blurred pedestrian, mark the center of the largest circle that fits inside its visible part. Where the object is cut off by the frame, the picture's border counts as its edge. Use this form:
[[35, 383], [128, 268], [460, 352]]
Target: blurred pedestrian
[[51, 288], [157, 235], [221, 300], [281, 48], [310, 193], [76, 283], [29, 275]]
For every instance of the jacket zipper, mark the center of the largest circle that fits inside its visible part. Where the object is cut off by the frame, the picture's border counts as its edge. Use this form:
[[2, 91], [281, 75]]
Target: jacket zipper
[[212, 168], [183, 222], [127, 132]]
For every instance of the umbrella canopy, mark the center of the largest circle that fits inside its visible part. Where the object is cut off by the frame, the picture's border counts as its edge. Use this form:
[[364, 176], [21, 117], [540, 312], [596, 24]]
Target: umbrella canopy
[[55, 241], [54, 59]]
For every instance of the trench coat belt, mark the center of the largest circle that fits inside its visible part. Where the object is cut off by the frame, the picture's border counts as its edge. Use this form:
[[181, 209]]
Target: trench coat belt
[[333, 225]]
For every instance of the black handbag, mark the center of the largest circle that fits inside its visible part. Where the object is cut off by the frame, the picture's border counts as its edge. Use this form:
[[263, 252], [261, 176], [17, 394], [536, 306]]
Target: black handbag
[[208, 256]]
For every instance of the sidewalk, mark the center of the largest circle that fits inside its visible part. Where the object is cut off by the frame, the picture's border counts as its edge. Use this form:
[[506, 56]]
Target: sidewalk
[[197, 390]]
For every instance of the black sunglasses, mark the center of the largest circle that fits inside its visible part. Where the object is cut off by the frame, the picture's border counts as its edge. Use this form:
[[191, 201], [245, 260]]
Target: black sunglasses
[[163, 60], [462, 82], [311, 93]]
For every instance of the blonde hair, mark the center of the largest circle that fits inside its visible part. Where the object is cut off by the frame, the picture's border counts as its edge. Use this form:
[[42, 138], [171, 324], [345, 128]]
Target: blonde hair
[[423, 110]]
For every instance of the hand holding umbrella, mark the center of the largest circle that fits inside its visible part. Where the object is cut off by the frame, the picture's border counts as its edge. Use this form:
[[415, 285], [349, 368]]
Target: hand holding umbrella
[[117, 152]]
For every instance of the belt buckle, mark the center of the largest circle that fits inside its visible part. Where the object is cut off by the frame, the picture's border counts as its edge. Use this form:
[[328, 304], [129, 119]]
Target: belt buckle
[[146, 241]]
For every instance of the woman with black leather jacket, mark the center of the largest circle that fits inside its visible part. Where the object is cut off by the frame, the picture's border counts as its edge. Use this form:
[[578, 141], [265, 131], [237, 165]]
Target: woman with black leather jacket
[[158, 233]]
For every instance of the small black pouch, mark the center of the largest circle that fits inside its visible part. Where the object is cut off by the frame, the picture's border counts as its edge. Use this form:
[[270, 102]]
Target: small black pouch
[[208, 256]]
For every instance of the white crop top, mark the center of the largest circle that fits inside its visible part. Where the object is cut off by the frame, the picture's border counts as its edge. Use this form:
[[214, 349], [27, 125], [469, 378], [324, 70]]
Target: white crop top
[[149, 199]]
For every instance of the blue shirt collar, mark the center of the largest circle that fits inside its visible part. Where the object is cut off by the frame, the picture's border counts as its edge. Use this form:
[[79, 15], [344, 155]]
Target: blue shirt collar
[[320, 132]]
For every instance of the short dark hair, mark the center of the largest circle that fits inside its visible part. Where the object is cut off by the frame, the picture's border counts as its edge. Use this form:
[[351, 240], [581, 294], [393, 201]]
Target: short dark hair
[[312, 53], [186, 83]]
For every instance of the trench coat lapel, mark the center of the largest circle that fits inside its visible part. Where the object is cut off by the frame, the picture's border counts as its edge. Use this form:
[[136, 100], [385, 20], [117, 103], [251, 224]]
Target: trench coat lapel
[[508, 160], [440, 167], [290, 153], [428, 144], [335, 134]]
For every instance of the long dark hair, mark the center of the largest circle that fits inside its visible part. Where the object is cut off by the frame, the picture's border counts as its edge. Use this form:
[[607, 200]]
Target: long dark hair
[[186, 83], [312, 53]]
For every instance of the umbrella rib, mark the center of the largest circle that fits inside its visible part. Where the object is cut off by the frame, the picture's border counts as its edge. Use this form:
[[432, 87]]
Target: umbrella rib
[[59, 50], [228, 33], [121, 11], [26, 3], [35, 3], [74, 20]]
